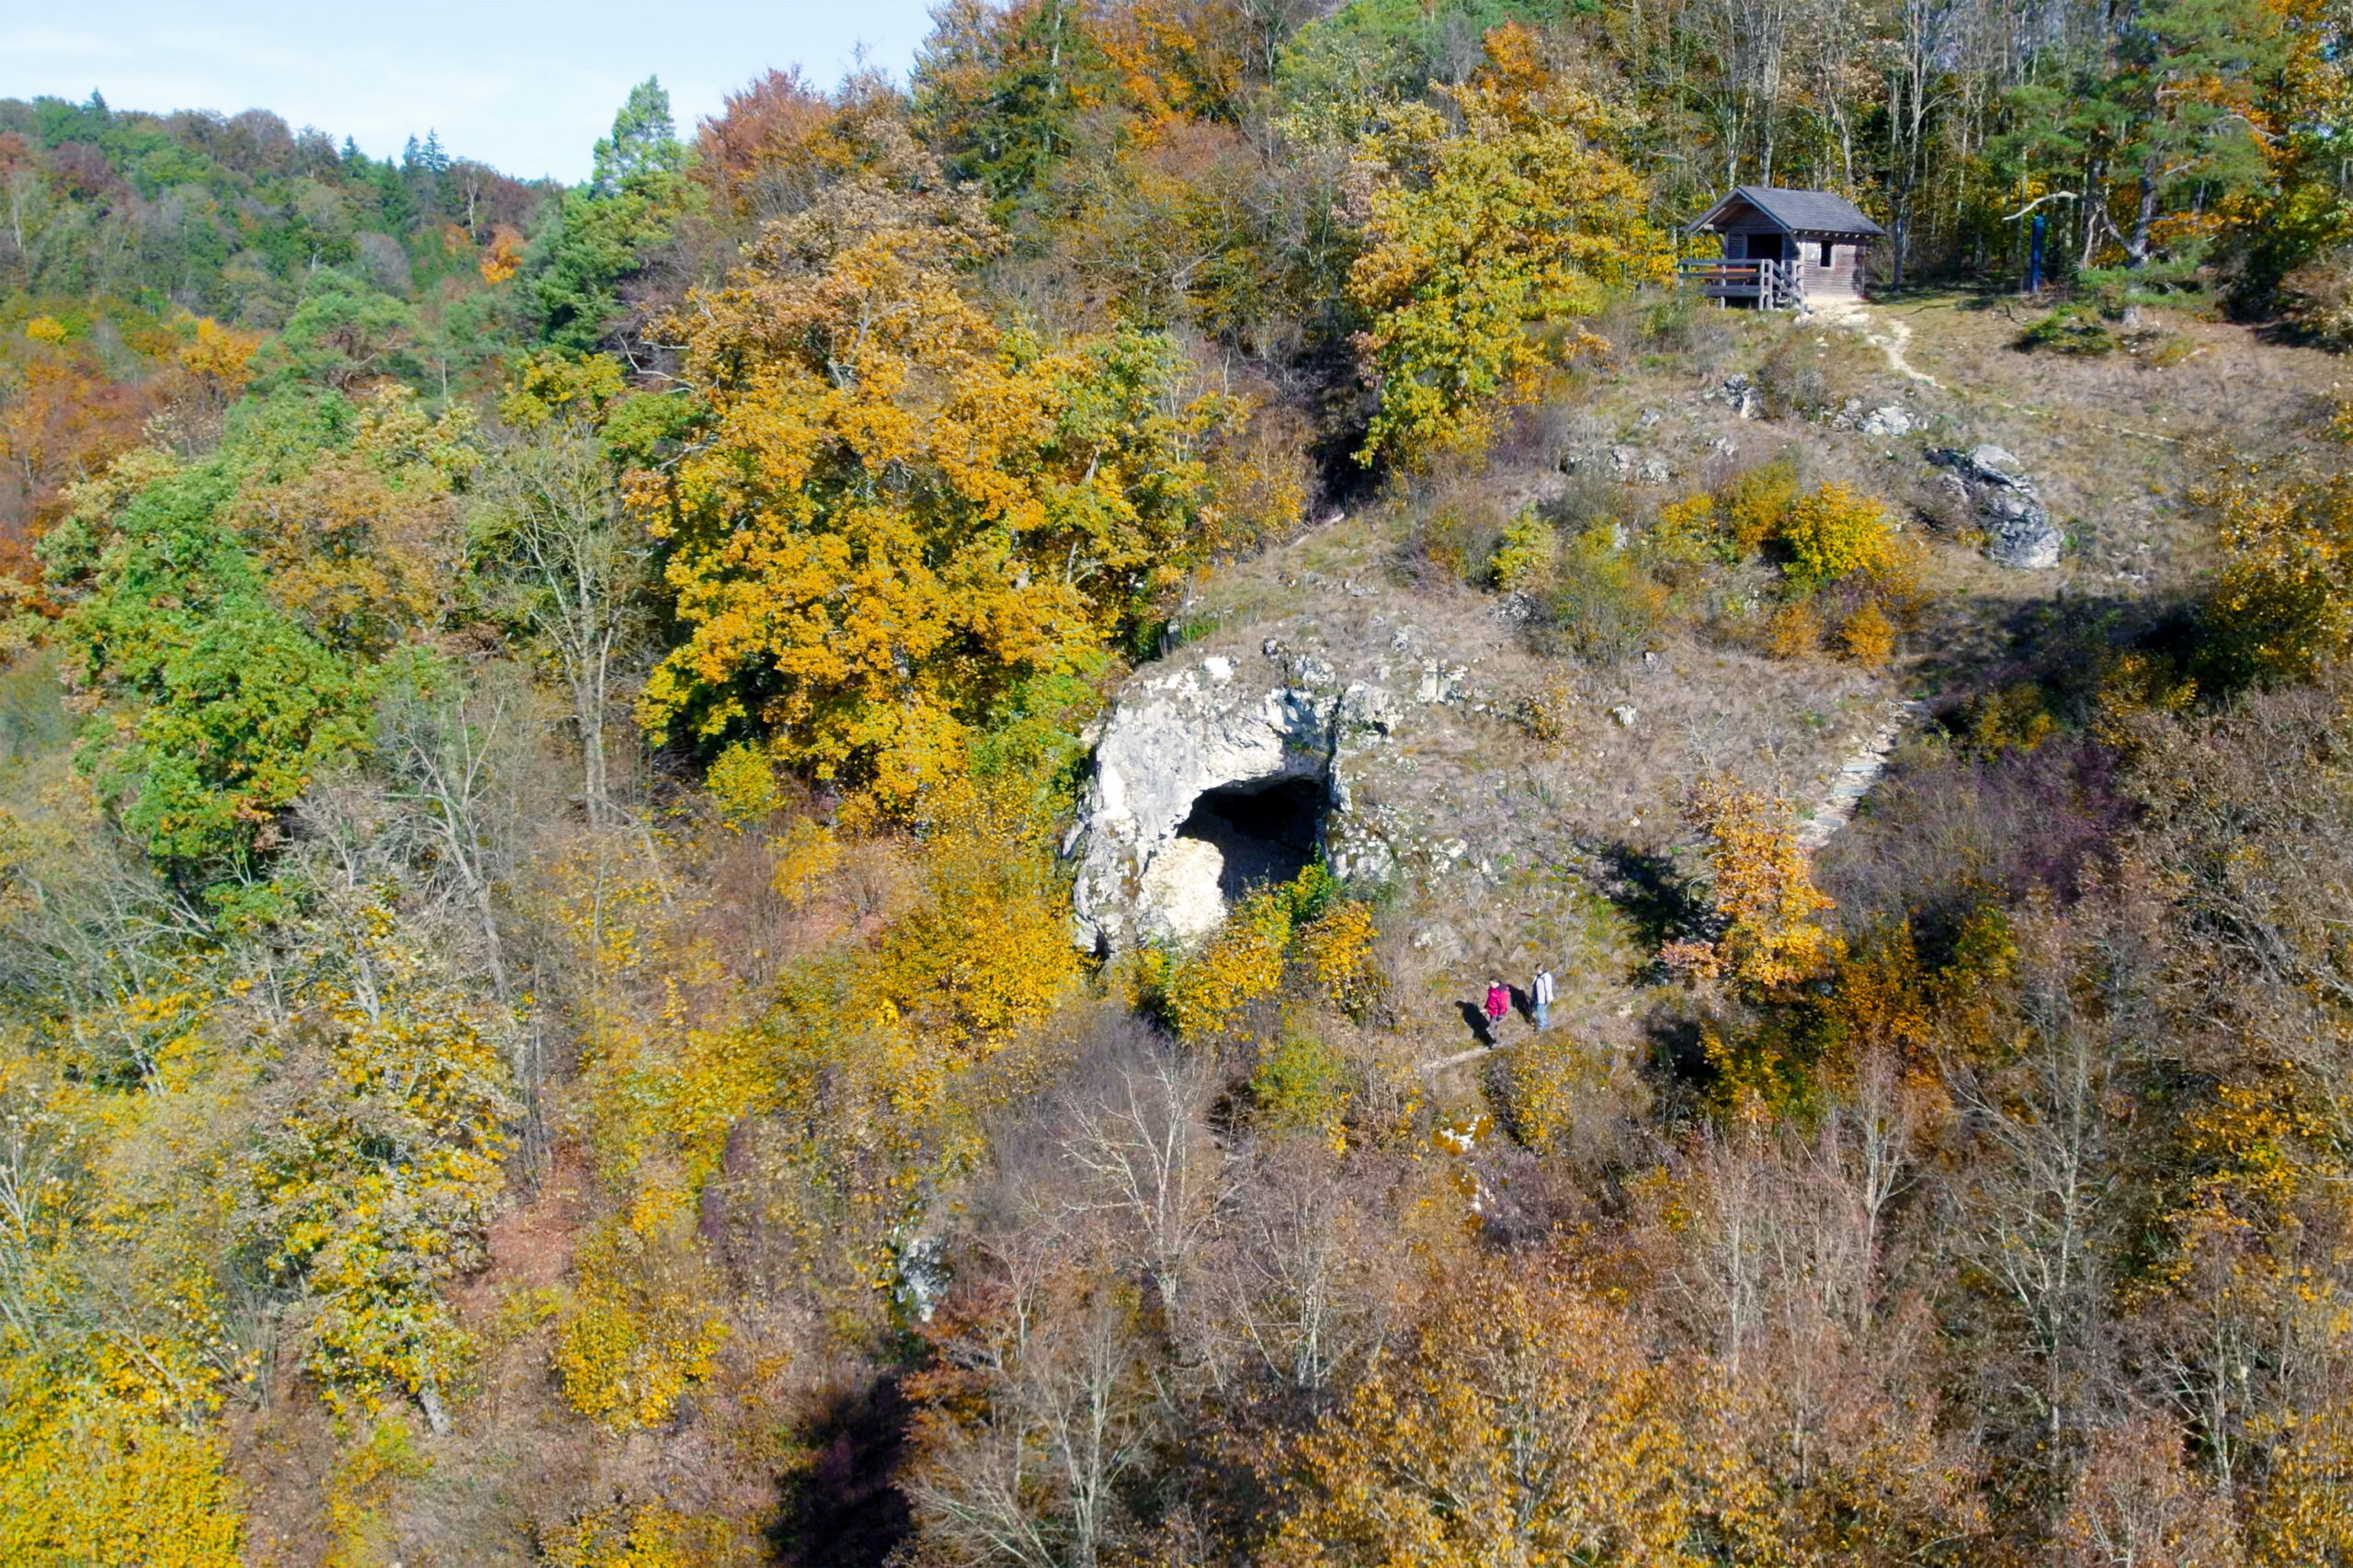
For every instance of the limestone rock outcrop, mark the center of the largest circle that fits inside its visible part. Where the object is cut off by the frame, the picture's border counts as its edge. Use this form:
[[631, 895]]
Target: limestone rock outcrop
[[1991, 486], [1206, 775]]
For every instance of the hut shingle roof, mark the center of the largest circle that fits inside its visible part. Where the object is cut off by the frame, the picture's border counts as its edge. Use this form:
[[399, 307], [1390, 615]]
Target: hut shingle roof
[[1799, 211]]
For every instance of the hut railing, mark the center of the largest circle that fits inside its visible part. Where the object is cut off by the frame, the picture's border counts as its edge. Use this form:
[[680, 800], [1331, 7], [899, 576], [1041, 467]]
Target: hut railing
[[1774, 285]]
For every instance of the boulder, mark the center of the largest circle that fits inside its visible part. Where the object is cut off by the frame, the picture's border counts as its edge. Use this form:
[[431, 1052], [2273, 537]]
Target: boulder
[[1992, 485], [1892, 419], [1739, 394]]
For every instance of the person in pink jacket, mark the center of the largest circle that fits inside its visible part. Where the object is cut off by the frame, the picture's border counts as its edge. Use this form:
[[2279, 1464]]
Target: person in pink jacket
[[1498, 1003]]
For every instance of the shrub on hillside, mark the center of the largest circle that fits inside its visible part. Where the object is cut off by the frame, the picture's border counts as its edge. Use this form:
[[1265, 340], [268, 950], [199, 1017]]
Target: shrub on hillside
[[1692, 531], [1300, 1085], [1756, 502], [1808, 373], [1458, 541], [1526, 552], [2070, 329], [1868, 636], [1569, 1096], [2015, 717], [1834, 533], [1599, 603], [1684, 326], [1730, 524], [2317, 297], [1793, 631], [2281, 608]]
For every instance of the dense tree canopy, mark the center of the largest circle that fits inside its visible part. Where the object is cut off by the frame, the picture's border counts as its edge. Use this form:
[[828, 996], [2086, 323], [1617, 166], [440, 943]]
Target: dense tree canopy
[[540, 733], [899, 511], [1484, 247]]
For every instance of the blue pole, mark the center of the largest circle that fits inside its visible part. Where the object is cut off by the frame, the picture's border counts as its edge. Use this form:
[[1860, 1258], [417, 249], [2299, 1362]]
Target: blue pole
[[2034, 257]]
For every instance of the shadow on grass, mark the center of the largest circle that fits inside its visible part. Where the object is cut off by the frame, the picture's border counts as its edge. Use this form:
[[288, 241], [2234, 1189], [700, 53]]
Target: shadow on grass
[[1679, 1049], [1976, 643], [1475, 1018], [2005, 300], [1651, 892]]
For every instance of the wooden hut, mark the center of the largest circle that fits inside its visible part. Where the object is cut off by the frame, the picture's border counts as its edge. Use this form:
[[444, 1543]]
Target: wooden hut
[[1781, 248]]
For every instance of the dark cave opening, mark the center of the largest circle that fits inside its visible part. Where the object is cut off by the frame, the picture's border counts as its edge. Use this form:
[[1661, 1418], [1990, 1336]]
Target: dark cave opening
[[1266, 830]]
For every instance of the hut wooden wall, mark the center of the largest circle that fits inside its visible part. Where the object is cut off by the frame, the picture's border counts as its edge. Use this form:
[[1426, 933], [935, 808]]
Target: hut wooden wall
[[1834, 281]]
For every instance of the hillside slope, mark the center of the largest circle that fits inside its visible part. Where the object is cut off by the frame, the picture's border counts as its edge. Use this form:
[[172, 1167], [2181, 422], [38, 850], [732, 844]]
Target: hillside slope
[[1515, 804], [836, 852]]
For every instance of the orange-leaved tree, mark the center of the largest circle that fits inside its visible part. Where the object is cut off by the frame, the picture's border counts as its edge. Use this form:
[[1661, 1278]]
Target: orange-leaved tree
[[780, 141], [895, 511], [1763, 894], [361, 546]]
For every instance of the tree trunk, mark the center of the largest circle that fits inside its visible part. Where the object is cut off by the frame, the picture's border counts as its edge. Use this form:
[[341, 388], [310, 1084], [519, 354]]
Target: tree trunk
[[2136, 249], [2095, 205], [589, 714]]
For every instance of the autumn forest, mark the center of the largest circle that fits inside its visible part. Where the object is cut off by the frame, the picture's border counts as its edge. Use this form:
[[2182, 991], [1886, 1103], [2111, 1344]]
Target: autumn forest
[[548, 737]]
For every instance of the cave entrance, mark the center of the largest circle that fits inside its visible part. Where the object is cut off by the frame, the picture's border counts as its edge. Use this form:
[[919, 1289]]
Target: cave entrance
[[1263, 831]]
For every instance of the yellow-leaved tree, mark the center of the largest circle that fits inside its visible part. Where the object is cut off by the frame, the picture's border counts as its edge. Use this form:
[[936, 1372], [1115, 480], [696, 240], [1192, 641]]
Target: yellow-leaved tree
[[2280, 606], [2304, 1513], [987, 953], [87, 1478], [112, 1353], [1834, 533], [896, 511], [1524, 1423], [373, 1190], [1484, 246]]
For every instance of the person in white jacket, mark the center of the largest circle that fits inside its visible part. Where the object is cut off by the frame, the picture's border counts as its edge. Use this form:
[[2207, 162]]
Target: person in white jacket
[[1541, 992]]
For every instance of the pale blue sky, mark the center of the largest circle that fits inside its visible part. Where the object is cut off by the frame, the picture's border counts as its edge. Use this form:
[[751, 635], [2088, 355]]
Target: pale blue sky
[[527, 85]]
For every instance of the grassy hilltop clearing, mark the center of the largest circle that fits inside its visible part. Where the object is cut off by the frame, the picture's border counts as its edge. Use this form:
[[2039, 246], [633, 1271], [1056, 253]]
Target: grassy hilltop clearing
[[795, 857]]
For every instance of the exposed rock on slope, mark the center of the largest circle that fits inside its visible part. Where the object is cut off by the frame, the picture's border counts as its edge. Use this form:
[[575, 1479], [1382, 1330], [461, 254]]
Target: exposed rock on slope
[[1857, 775], [1398, 731], [1992, 484], [1208, 779]]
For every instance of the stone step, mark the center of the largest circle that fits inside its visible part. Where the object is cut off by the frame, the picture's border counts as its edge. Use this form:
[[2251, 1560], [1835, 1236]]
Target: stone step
[[1856, 776]]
